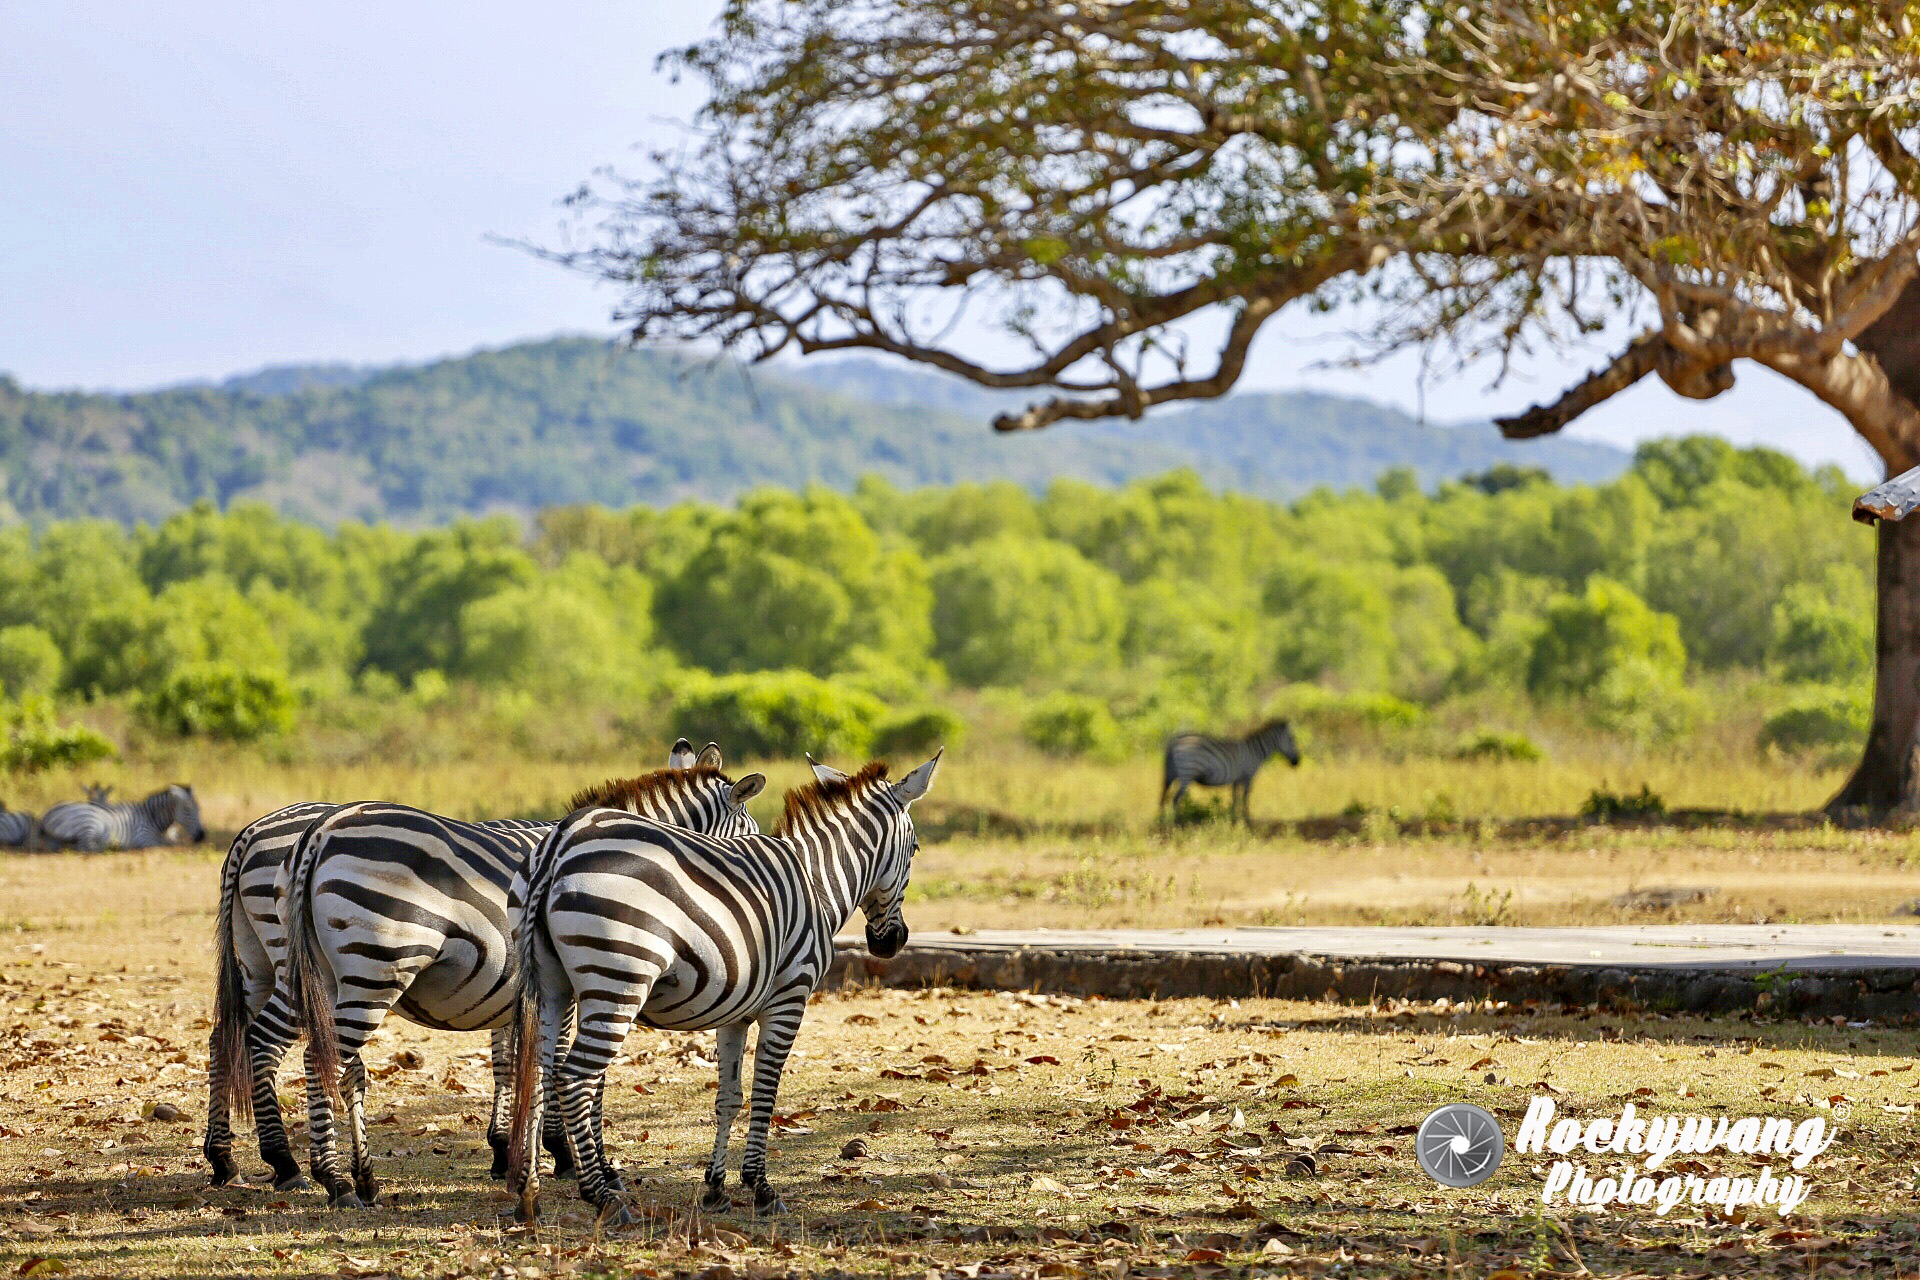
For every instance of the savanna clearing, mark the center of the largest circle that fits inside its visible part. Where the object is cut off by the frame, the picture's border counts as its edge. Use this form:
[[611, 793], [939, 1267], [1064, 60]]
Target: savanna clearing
[[1017, 839], [1016, 1135]]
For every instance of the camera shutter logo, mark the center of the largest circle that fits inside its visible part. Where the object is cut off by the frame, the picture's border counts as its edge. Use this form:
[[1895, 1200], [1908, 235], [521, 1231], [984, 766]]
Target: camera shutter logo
[[1460, 1145]]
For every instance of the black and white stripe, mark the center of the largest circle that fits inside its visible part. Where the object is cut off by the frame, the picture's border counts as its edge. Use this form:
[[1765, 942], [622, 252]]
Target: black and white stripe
[[249, 947], [640, 922], [171, 816], [389, 908], [16, 828], [1223, 762]]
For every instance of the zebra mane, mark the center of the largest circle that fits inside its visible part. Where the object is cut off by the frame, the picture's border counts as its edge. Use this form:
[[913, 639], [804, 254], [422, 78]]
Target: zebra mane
[[618, 793], [820, 799]]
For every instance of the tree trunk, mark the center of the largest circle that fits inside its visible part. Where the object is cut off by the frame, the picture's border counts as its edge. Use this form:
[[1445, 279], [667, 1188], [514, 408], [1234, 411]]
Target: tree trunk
[[1885, 779]]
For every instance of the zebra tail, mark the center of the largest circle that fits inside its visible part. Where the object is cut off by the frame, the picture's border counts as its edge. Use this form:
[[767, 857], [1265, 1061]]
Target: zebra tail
[[312, 994], [526, 1083], [521, 1143], [231, 1065]]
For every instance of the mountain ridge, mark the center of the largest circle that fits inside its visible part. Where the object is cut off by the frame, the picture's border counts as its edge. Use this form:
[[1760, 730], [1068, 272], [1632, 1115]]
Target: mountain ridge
[[572, 419]]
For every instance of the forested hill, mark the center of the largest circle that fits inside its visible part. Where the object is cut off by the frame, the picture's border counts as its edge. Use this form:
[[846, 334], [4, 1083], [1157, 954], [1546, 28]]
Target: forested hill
[[576, 420]]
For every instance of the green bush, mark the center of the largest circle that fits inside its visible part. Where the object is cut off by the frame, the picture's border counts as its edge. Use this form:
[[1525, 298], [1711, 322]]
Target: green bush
[[1817, 641], [1497, 744], [221, 700], [1073, 724], [31, 741], [1642, 701], [777, 713], [1819, 719], [1606, 806], [1339, 716], [915, 733], [1014, 609], [1589, 636], [30, 661]]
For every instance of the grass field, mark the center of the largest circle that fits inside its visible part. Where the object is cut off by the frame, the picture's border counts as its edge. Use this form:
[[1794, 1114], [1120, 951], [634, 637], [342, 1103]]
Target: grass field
[[1016, 839], [990, 1120], [989, 1123]]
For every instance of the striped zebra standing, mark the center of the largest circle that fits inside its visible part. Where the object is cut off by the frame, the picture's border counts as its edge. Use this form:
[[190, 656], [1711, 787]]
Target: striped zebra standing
[[392, 909], [249, 950], [16, 828], [249, 946], [636, 921], [1223, 762], [171, 816]]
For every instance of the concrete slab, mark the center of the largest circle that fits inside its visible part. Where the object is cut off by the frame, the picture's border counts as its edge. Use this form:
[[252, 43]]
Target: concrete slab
[[1856, 972], [1801, 946]]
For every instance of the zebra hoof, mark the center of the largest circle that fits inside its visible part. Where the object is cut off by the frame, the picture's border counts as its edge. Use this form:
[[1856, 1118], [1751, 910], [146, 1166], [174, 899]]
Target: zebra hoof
[[294, 1182], [716, 1199], [614, 1213], [767, 1203], [346, 1200]]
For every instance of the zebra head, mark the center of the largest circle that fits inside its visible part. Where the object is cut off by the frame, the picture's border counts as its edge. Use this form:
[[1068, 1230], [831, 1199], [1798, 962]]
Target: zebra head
[[184, 813], [1276, 736], [884, 904]]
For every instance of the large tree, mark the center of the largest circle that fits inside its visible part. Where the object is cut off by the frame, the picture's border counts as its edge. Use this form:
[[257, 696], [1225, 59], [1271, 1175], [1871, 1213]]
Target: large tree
[[1133, 188], [1740, 181]]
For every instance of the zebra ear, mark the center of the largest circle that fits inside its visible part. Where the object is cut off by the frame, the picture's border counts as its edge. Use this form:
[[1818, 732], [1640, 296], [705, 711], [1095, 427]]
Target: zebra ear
[[709, 756], [681, 757], [747, 788], [920, 781], [825, 772]]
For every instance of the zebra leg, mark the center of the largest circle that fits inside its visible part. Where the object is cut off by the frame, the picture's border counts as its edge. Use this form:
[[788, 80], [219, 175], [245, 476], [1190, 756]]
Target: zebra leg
[[269, 1036], [323, 1157], [779, 1024], [217, 1147], [604, 1020], [608, 1169], [732, 1042], [553, 1135], [503, 1049], [354, 1073], [1180, 792]]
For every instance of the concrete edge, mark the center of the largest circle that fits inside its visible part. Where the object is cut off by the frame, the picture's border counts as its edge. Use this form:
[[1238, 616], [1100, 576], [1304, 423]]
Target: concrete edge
[[1879, 994]]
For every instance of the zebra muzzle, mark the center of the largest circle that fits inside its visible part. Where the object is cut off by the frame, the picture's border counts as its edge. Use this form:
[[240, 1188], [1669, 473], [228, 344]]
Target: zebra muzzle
[[885, 940]]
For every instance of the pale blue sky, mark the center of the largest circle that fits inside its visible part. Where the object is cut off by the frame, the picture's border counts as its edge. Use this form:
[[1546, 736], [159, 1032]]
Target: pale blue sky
[[193, 189]]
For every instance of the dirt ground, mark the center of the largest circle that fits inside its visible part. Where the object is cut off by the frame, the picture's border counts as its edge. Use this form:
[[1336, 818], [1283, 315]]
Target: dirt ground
[[1017, 1135]]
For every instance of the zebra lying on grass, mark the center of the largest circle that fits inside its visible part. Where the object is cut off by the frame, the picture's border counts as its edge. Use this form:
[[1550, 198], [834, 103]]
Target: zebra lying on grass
[[1223, 762], [636, 921], [392, 909], [171, 816], [16, 828], [250, 948]]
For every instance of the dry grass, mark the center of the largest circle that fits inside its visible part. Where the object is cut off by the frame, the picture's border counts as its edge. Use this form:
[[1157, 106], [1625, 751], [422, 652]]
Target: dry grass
[[1016, 839], [963, 1101]]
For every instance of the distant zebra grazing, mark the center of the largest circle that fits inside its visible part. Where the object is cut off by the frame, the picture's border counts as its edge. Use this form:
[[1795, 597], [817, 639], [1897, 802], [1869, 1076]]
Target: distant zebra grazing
[[171, 816], [392, 909], [1223, 762], [16, 828], [641, 922]]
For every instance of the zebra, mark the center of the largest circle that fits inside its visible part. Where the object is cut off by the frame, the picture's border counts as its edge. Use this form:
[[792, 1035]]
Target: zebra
[[1223, 762], [249, 946], [389, 908], [16, 828], [140, 825], [249, 949], [636, 921]]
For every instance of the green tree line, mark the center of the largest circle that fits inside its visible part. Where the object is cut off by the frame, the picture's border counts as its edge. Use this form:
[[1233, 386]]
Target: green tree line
[[1106, 616]]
